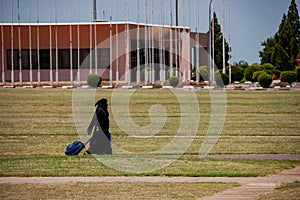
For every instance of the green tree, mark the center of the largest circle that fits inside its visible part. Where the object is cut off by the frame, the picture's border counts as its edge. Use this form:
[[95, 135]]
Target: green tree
[[218, 44], [266, 54], [282, 49]]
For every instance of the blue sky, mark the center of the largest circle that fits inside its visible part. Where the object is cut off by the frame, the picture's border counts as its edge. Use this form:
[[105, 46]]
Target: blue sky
[[251, 21]]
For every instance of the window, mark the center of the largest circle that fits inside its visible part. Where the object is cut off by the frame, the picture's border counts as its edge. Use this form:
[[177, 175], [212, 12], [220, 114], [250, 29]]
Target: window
[[15, 59], [64, 59], [45, 59], [165, 56], [103, 58]]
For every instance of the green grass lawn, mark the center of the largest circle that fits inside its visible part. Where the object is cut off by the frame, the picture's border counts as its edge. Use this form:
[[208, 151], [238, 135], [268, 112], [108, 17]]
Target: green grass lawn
[[89, 166], [37, 124]]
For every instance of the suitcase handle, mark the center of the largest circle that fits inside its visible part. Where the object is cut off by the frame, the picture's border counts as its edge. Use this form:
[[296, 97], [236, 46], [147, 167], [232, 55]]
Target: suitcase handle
[[87, 142]]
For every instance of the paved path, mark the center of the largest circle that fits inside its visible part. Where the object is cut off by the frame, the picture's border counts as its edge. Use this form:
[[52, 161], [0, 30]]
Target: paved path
[[251, 187], [258, 156]]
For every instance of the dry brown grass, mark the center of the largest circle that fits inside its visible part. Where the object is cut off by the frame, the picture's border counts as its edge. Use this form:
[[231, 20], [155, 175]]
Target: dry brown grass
[[100, 190]]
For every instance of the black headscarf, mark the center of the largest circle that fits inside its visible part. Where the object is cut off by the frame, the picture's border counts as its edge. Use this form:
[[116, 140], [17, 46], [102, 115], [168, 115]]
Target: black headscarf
[[102, 103]]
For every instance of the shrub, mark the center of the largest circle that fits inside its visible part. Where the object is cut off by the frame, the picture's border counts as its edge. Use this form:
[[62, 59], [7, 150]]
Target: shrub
[[204, 73], [270, 72], [268, 66], [256, 75], [174, 72], [94, 80], [265, 80], [237, 73], [298, 72], [288, 76], [250, 71], [221, 79], [174, 81], [149, 70]]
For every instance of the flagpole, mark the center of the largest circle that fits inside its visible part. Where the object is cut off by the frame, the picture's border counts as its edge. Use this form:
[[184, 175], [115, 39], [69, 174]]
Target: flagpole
[[182, 46], [176, 10], [50, 33], [56, 45], [94, 10], [127, 45], [95, 37], [160, 41], [211, 44], [179, 50], [71, 45], [2, 45], [30, 47], [19, 44], [38, 44], [163, 47], [12, 44], [91, 35], [229, 41], [223, 36], [78, 46], [152, 45], [176, 39], [95, 47], [171, 40], [138, 74], [126, 49], [189, 69], [149, 44], [213, 47], [117, 49], [146, 42], [197, 44], [110, 44]]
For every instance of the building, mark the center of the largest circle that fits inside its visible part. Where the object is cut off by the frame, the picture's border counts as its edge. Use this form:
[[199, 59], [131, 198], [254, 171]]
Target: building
[[122, 52]]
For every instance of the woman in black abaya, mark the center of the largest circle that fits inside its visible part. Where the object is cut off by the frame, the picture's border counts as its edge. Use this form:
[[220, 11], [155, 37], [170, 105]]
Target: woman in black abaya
[[100, 142]]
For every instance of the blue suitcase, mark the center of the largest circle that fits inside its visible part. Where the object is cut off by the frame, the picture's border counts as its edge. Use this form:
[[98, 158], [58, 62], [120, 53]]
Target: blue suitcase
[[74, 149]]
